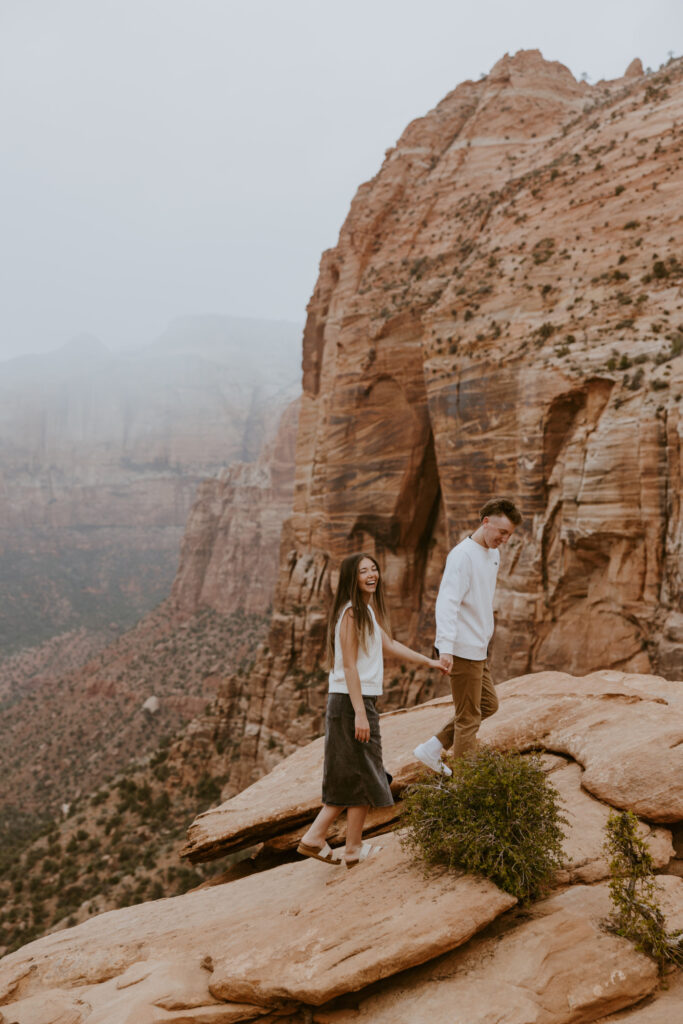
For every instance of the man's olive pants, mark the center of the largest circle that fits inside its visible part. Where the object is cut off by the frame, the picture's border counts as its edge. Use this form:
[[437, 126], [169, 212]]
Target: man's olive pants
[[474, 697]]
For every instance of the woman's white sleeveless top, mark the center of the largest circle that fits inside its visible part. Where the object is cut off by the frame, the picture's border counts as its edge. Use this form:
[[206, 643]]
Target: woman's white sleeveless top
[[370, 663]]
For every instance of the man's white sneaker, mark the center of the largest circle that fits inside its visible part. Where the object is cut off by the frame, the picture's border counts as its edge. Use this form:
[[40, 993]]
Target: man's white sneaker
[[424, 754]]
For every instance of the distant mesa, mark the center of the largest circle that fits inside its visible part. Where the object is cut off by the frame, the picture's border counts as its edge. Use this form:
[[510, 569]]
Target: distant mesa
[[84, 346]]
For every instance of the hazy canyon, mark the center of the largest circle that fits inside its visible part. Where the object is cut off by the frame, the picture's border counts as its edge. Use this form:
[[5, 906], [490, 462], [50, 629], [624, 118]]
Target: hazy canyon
[[101, 454], [503, 313]]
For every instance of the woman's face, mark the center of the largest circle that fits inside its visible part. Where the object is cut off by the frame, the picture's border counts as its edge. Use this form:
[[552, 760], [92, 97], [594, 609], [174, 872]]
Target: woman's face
[[368, 577]]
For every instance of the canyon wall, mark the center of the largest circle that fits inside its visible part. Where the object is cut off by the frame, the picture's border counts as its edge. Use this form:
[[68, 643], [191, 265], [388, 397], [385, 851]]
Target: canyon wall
[[101, 454], [231, 545], [97, 711], [501, 315]]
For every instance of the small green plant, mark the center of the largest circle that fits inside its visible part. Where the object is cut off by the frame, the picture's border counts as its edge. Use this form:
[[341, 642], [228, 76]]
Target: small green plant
[[676, 344], [633, 890], [498, 816], [542, 333], [637, 380], [543, 250]]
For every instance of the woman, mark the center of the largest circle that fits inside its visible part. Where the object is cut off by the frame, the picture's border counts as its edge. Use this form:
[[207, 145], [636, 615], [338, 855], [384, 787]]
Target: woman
[[353, 775]]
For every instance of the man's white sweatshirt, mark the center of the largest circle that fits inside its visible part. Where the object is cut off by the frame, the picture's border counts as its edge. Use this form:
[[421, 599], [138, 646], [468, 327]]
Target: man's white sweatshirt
[[464, 607]]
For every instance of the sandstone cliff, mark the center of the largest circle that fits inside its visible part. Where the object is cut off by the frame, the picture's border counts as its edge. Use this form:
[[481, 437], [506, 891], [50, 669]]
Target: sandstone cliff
[[502, 314], [100, 457]]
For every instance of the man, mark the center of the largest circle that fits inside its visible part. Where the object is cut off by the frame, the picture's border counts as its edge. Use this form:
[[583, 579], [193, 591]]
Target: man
[[464, 626]]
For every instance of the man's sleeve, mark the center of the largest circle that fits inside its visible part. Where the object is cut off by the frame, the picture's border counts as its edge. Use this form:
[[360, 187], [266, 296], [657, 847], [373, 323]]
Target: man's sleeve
[[455, 583]]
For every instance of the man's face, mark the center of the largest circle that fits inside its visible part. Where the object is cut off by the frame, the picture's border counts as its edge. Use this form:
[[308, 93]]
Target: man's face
[[497, 530]]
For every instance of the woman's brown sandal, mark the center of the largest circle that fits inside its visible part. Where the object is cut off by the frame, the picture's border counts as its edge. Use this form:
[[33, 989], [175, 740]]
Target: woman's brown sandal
[[324, 853]]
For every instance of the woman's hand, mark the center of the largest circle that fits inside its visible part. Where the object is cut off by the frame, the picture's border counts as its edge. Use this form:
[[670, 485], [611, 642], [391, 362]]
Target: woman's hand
[[362, 727], [443, 669]]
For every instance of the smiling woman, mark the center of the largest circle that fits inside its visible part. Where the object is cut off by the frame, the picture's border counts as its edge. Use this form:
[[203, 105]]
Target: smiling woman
[[353, 776]]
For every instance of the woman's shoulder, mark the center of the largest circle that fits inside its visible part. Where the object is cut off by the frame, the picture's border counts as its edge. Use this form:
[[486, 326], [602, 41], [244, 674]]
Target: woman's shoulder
[[348, 607]]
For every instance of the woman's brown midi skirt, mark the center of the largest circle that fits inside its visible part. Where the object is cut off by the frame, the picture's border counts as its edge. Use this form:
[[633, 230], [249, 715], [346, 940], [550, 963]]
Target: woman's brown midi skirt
[[353, 775]]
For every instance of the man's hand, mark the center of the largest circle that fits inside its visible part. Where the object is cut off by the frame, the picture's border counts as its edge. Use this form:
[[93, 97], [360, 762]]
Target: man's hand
[[433, 663], [446, 662], [362, 727]]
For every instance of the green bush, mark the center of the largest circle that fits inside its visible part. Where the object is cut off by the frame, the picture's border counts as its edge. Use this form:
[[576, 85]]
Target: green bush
[[496, 816], [636, 913]]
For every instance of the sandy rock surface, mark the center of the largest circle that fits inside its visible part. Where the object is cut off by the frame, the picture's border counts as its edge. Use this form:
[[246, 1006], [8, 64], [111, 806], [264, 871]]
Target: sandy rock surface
[[149, 992], [663, 1008], [356, 928], [308, 933], [304, 931], [585, 857], [625, 730], [584, 832], [560, 967]]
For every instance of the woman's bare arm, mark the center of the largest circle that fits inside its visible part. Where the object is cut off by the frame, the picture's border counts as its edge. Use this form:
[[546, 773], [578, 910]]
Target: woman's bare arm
[[394, 649], [349, 646]]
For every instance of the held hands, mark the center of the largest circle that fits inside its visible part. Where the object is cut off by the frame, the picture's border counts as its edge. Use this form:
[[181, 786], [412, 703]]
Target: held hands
[[433, 663], [362, 727], [446, 663]]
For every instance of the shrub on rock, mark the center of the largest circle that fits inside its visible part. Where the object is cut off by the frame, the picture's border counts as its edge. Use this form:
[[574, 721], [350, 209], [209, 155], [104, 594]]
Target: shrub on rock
[[498, 816], [637, 914]]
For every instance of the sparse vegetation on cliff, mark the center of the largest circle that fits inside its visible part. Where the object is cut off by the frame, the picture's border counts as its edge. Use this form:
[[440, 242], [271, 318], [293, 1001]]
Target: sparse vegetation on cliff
[[119, 845]]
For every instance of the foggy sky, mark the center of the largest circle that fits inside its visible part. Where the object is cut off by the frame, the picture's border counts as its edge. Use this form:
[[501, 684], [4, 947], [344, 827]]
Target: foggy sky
[[164, 157]]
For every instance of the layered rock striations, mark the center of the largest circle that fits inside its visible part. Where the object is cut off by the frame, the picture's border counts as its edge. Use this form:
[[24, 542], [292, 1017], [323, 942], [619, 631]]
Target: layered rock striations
[[502, 314]]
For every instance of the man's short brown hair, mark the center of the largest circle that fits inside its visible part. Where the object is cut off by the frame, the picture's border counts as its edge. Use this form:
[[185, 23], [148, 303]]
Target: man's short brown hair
[[501, 507]]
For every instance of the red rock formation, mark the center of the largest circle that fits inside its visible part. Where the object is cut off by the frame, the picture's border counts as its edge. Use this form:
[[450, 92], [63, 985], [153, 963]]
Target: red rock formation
[[501, 315], [230, 550]]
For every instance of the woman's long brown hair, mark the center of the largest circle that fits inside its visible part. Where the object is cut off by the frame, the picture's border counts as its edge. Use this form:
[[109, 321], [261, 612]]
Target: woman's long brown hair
[[348, 590]]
